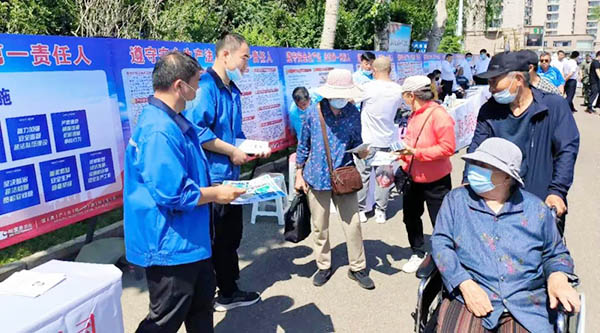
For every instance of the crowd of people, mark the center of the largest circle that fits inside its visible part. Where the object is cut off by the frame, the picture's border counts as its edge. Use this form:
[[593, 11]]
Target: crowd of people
[[495, 241]]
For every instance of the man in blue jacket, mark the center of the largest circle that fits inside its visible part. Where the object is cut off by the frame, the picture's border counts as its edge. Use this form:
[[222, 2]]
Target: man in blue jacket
[[540, 124], [166, 196], [220, 110]]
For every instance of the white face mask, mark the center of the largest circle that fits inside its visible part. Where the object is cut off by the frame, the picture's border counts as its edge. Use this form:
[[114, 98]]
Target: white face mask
[[338, 103], [190, 105]]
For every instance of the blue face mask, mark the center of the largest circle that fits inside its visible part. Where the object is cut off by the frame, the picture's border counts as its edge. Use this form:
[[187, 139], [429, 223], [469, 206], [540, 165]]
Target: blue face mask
[[469, 59], [504, 96], [480, 179], [234, 75], [338, 103], [483, 56], [368, 73]]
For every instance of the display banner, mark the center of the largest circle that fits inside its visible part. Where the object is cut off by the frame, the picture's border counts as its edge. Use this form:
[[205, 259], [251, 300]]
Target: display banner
[[68, 105]]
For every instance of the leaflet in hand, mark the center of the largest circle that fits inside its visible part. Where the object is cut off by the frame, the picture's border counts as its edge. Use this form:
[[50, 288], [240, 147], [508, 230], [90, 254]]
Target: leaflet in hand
[[361, 148], [30, 283], [252, 147], [258, 189], [382, 158]]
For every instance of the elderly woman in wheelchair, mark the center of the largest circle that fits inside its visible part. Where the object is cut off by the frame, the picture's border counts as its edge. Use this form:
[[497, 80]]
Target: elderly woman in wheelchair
[[500, 255]]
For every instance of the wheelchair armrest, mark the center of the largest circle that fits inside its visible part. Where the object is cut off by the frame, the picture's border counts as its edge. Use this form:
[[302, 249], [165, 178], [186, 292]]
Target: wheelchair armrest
[[427, 268]]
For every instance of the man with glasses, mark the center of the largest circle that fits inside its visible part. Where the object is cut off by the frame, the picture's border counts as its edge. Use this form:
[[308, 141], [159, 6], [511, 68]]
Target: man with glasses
[[551, 73], [541, 125]]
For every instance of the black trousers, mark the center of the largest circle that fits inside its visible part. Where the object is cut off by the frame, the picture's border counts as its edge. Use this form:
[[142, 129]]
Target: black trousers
[[594, 91], [480, 81], [228, 228], [178, 294], [414, 200], [446, 89], [570, 89]]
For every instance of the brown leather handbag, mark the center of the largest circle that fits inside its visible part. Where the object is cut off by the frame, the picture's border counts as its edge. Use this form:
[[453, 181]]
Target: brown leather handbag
[[346, 179]]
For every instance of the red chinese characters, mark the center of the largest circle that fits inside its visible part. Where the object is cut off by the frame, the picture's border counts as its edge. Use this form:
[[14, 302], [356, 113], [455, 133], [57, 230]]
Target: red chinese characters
[[61, 55], [81, 56], [151, 54], [41, 54], [137, 55], [1, 55]]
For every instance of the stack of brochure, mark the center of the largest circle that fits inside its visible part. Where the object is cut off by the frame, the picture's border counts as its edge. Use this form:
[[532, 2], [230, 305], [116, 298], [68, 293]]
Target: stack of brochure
[[258, 189]]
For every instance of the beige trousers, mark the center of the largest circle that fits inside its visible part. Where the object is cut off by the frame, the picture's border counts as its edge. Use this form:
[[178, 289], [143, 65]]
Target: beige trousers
[[347, 209]]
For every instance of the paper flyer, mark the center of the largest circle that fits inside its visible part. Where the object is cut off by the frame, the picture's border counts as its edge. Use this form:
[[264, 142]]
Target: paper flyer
[[258, 189], [252, 147]]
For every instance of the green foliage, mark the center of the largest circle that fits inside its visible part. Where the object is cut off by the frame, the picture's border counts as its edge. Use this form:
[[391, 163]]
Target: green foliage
[[493, 9], [451, 43], [287, 23], [46, 17], [595, 13], [419, 14]]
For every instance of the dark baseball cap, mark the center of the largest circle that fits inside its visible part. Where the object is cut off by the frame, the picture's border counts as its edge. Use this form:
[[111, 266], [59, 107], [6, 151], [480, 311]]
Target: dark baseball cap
[[506, 62], [528, 56]]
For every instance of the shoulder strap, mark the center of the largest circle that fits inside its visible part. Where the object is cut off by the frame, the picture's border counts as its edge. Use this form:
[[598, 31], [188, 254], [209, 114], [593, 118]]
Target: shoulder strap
[[419, 135], [325, 140]]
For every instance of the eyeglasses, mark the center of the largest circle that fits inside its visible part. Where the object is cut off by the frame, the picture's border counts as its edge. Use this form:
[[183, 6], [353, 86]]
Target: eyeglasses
[[544, 60]]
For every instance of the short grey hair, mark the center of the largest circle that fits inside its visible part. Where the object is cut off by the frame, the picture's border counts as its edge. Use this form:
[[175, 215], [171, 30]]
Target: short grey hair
[[545, 54], [424, 94], [525, 74]]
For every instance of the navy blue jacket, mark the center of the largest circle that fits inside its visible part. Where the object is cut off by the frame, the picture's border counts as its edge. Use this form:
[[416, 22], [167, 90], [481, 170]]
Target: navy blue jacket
[[553, 144]]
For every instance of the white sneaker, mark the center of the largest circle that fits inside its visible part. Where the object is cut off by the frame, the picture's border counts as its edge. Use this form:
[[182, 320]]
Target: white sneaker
[[413, 264], [380, 216], [362, 217]]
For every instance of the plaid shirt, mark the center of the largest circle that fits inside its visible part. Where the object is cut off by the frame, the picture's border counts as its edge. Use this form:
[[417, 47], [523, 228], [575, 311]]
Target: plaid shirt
[[546, 86]]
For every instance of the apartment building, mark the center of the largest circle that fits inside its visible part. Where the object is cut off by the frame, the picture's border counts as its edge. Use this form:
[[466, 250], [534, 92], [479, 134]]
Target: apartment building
[[550, 25]]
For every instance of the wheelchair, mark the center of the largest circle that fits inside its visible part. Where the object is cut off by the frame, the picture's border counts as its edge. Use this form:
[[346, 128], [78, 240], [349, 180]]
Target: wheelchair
[[431, 292]]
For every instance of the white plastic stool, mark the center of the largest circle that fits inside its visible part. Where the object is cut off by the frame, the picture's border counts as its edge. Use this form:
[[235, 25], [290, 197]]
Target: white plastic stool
[[259, 208]]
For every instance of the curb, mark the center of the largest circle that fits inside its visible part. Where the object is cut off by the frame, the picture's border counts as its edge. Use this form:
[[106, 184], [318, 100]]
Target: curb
[[60, 251]]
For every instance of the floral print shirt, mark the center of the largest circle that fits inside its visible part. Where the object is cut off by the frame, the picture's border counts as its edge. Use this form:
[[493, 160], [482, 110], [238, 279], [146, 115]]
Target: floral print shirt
[[343, 132], [510, 254]]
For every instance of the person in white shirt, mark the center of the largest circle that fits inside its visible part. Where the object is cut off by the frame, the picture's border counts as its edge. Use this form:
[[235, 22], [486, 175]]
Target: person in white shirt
[[481, 67], [571, 73], [381, 100], [448, 76], [559, 62], [467, 67]]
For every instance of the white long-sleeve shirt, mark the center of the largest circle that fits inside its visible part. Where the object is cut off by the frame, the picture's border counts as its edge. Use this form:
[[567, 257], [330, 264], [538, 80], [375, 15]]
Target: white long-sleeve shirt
[[447, 71], [482, 66]]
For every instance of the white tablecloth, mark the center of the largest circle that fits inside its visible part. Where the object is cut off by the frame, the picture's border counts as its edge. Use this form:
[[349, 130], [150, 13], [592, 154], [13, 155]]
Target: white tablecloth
[[89, 301], [465, 114]]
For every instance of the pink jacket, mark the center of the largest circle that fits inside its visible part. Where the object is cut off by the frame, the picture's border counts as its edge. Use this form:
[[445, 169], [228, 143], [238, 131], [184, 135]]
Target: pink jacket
[[436, 144]]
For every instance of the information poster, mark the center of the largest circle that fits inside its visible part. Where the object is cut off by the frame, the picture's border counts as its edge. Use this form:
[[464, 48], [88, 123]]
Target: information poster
[[263, 102], [432, 61], [133, 61], [309, 67], [408, 64], [57, 105], [390, 55]]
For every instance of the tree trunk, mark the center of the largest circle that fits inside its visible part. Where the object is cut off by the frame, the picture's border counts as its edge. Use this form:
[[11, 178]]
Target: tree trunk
[[435, 35], [329, 24], [382, 37]]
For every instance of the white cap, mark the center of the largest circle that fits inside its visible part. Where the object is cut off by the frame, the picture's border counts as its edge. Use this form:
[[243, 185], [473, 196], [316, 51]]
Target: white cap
[[414, 83]]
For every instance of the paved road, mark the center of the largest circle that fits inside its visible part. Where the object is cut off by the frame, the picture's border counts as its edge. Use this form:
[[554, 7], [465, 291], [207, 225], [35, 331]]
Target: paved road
[[282, 271]]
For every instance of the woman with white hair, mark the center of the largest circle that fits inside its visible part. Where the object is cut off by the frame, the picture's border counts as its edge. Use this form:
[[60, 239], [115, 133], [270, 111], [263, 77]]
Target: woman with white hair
[[319, 154]]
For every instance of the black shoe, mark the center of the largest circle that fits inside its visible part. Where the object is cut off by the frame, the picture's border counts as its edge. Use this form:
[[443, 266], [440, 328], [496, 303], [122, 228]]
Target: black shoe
[[590, 111], [321, 277], [363, 279], [237, 299]]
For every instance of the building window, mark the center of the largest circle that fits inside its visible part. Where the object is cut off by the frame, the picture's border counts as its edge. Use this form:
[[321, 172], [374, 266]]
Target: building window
[[562, 43], [552, 17], [592, 24], [553, 2], [591, 31], [553, 8], [545, 43], [585, 44], [553, 25], [551, 32], [593, 3]]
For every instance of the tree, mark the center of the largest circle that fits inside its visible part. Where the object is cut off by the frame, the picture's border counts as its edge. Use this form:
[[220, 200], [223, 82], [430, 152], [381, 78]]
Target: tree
[[437, 30], [330, 24]]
